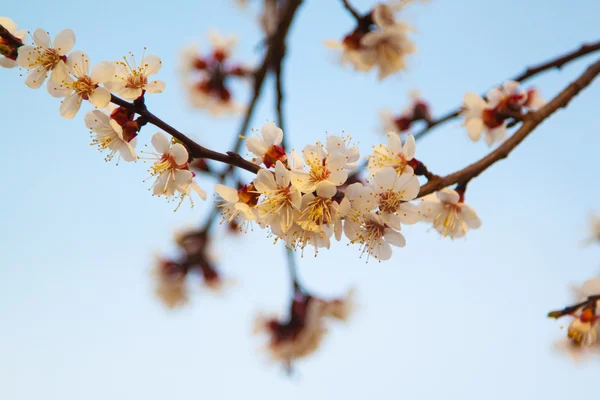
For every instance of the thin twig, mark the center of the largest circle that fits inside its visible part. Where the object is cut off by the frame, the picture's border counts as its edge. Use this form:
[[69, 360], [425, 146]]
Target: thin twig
[[528, 73], [530, 122], [352, 11]]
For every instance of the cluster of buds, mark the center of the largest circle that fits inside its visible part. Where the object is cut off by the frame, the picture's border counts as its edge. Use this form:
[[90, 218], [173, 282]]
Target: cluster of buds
[[171, 275], [206, 77], [10, 40], [305, 200], [418, 110], [492, 113], [377, 41], [583, 333], [303, 331]]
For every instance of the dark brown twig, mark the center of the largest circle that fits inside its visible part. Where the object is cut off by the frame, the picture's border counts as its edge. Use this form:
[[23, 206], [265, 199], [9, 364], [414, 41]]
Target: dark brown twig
[[530, 122], [352, 11]]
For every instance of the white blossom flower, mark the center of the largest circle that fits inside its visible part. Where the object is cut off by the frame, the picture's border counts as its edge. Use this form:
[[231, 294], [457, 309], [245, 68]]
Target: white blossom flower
[[46, 56], [170, 283], [594, 235], [341, 145], [326, 171], [267, 146], [84, 87], [392, 193], [131, 80], [341, 308], [222, 45], [534, 99], [297, 338], [281, 202], [169, 170], [21, 34], [362, 201], [388, 48], [449, 215], [238, 203], [109, 136], [395, 155], [482, 115], [350, 53], [375, 237], [202, 99]]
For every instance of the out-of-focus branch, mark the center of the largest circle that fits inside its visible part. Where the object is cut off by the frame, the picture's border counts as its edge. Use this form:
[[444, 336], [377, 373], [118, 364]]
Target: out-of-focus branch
[[352, 10], [274, 54], [528, 73], [530, 122]]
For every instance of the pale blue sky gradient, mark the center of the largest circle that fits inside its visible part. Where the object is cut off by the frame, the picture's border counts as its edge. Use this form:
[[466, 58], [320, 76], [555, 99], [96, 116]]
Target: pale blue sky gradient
[[442, 320]]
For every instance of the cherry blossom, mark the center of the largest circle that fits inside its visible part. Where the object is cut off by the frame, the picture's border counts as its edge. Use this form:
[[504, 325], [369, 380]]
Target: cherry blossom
[[281, 201], [131, 80], [388, 48], [171, 286], [449, 214], [238, 203], [267, 146], [375, 237], [109, 135], [396, 155], [84, 87], [392, 192], [341, 145], [10, 57], [46, 57], [326, 171]]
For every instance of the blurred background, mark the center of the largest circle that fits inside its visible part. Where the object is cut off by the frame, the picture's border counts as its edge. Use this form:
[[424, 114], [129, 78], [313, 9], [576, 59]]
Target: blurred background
[[461, 319]]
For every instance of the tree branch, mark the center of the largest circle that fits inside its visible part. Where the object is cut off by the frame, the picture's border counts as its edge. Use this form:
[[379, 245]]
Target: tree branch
[[352, 11], [530, 122], [195, 150], [528, 73]]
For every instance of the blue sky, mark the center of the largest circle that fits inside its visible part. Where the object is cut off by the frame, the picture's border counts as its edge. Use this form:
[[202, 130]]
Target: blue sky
[[460, 319]]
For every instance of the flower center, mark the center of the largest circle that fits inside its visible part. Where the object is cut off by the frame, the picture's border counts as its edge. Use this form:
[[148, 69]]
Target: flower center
[[47, 58], [166, 163], [248, 195], [83, 86], [490, 118], [448, 221], [319, 173], [136, 80], [316, 214], [274, 153], [389, 201]]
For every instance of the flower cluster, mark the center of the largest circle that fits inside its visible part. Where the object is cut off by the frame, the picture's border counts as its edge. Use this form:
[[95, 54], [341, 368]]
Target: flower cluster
[[306, 199], [583, 333], [206, 77], [377, 41], [302, 333], [170, 275], [491, 115], [418, 110]]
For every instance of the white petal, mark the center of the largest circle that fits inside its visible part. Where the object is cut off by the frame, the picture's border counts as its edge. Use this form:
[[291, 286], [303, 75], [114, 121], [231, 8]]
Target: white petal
[[160, 142], [35, 78], [127, 152], [96, 119], [493, 97], [57, 90], [103, 72], [228, 194], [199, 191], [100, 97], [385, 179], [127, 93], [382, 251], [64, 41], [41, 38], [155, 87], [272, 134], [60, 73], [448, 196], [70, 105], [7, 62], [256, 146], [151, 64], [409, 213], [179, 154], [326, 189], [511, 87], [410, 187], [410, 147], [394, 238], [78, 63], [282, 175], [8, 23], [265, 182], [470, 217], [474, 102], [474, 128]]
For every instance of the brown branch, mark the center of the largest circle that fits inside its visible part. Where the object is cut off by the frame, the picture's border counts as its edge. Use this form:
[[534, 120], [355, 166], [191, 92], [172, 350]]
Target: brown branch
[[530, 122], [195, 150], [352, 11], [571, 309], [274, 54], [528, 73]]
